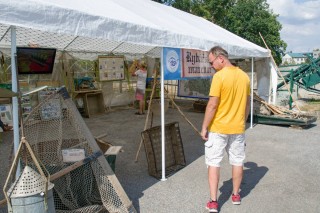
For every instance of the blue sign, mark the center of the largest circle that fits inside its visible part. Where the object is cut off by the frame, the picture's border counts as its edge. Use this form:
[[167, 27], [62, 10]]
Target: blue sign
[[171, 61]]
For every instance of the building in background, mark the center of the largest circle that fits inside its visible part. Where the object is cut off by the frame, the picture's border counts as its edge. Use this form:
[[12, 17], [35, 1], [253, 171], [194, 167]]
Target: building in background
[[291, 58], [316, 53], [294, 58]]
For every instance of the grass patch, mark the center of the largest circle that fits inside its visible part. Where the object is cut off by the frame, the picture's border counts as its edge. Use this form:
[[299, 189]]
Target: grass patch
[[314, 101], [311, 106]]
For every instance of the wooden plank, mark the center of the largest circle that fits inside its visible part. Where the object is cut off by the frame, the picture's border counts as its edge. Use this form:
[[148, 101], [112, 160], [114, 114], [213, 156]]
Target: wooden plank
[[101, 136], [113, 150], [74, 166]]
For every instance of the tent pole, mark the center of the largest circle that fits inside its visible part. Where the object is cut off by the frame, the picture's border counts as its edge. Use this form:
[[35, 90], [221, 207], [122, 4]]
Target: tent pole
[[274, 85], [5, 34], [14, 81], [163, 151], [70, 42], [251, 114]]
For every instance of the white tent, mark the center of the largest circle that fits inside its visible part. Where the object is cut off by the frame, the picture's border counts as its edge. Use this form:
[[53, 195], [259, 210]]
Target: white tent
[[118, 26], [131, 27]]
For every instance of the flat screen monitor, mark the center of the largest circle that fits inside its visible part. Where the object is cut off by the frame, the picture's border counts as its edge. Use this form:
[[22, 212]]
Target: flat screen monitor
[[35, 60]]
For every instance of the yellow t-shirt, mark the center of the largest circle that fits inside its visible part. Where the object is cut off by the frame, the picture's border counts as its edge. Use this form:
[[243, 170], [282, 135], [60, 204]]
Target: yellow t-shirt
[[232, 86]]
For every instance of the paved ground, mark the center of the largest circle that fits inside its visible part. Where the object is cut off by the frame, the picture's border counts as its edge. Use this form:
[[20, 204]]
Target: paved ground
[[281, 174]]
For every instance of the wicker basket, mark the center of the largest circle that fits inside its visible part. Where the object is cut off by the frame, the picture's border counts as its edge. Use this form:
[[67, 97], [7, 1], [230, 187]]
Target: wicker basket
[[175, 159]]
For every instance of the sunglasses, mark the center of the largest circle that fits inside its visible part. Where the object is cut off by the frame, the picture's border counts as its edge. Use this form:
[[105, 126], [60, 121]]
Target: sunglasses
[[211, 62]]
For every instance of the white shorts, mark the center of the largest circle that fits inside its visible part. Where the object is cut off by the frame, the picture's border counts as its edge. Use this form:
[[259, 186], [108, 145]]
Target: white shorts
[[234, 145]]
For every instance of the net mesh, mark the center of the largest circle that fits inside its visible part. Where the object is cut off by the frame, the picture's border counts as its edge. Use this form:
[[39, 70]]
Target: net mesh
[[56, 125], [78, 46], [174, 152]]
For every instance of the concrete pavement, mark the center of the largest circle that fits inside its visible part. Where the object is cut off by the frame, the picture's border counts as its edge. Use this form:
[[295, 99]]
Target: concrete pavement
[[281, 173]]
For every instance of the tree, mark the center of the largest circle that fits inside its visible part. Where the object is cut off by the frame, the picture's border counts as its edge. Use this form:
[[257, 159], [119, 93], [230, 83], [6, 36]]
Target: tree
[[249, 17], [217, 10], [159, 1], [245, 18], [184, 5]]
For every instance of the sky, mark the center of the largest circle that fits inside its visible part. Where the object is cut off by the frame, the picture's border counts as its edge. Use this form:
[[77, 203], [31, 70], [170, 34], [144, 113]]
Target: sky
[[300, 21]]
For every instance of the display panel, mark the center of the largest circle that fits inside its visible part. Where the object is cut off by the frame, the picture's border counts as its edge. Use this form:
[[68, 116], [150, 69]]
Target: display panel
[[35, 60], [194, 88], [111, 68]]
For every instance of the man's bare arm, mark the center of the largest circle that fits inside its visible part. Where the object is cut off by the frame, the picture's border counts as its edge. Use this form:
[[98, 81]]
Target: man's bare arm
[[208, 116], [248, 107]]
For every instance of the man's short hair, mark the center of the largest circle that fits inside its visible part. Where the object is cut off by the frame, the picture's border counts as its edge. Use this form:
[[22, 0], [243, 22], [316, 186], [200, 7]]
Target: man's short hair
[[217, 50]]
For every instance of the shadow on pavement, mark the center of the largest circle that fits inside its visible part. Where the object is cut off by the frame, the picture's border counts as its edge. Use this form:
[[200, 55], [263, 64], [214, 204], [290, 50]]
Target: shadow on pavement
[[251, 177]]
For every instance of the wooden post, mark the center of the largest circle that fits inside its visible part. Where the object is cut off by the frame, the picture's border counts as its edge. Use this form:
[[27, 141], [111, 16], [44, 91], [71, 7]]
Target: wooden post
[[280, 74]]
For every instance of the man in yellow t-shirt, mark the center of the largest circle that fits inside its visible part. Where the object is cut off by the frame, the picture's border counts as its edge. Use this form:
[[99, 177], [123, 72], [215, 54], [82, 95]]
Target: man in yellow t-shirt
[[224, 123]]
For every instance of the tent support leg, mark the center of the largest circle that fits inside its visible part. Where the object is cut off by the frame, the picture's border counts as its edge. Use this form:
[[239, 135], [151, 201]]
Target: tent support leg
[[251, 110], [15, 110], [163, 178]]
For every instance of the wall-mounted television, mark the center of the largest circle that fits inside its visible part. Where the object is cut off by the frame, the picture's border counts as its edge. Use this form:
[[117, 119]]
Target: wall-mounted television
[[35, 60]]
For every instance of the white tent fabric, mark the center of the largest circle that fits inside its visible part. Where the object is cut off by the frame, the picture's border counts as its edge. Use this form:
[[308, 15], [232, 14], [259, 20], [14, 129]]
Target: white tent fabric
[[115, 26], [129, 27]]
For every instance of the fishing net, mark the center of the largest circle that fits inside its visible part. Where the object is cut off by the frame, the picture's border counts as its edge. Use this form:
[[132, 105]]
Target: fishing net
[[54, 128]]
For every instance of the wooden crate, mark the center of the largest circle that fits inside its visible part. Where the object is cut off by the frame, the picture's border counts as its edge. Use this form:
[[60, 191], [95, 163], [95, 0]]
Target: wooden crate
[[174, 152], [110, 152], [94, 104]]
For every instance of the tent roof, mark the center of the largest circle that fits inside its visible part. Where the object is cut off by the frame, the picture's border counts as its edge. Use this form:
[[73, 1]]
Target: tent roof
[[114, 26]]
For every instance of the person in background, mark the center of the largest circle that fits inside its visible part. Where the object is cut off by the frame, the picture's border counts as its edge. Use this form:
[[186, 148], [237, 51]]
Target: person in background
[[5, 127], [141, 74], [224, 123]]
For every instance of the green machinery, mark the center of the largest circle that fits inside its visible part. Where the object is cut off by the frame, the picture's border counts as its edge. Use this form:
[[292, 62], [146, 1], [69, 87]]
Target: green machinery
[[306, 77]]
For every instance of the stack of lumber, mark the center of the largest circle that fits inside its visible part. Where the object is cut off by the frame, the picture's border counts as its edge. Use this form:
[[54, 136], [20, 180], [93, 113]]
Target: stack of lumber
[[271, 109]]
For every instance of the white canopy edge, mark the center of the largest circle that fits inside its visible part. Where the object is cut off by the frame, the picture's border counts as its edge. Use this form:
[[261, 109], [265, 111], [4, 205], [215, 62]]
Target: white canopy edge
[[117, 26]]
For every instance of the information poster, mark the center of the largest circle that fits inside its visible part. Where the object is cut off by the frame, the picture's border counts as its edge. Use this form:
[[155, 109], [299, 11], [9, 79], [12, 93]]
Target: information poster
[[6, 113], [51, 109], [194, 88], [186, 63], [111, 68], [172, 63], [195, 63]]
